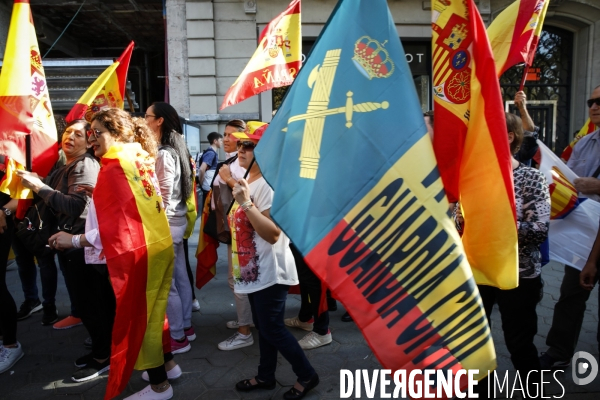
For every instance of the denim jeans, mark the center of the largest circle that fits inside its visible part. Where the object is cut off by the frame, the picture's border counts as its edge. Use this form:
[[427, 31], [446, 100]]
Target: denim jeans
[[179, 306], [28, 273], [268, 308]]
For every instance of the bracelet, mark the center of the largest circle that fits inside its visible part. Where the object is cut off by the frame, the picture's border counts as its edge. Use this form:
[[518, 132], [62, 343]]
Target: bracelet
[[76, 241], [246, 208], [244, 204]]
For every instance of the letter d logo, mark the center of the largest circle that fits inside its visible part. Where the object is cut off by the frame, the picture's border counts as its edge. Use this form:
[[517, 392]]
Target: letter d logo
[[582, 367]]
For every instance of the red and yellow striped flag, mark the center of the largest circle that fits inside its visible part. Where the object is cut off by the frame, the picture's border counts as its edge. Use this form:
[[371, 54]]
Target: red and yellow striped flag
[[25, 109], [587, 128], [471, 141], [515, 33], [206, 252], [275, 62], [107, 91], [139, 254]]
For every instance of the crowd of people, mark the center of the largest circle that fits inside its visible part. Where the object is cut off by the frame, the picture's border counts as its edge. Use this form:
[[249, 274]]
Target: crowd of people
[[115, 162]]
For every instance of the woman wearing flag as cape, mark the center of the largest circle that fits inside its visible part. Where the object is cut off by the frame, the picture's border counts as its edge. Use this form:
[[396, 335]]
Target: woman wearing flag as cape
[[128, 230]]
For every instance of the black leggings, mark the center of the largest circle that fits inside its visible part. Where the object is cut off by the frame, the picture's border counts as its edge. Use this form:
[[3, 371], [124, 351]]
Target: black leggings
[[158, 375], [8, 308]]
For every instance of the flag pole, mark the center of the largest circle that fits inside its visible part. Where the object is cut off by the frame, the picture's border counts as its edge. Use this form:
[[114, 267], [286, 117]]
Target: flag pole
[[28, 152], [524, 77], [245, 176]]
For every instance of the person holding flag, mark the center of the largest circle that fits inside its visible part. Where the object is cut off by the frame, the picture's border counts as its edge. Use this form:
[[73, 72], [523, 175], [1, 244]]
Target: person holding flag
[[518, 306], [264, 268], [10, 349], [27, 140], [570, 307]]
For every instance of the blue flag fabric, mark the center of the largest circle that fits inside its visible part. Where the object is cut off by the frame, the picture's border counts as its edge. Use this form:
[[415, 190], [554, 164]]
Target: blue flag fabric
[[358, 192]]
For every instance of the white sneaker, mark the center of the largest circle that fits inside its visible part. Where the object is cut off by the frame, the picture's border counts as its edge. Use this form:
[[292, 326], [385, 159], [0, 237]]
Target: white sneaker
[[171, 375], [236, 342], [296, 323], [235, 325], [195, 305], [148, 394], [314, 340], [10, 356]]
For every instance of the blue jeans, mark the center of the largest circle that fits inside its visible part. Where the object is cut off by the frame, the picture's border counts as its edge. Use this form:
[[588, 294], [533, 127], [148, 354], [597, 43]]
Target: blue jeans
[[28, 273], [268, 308]]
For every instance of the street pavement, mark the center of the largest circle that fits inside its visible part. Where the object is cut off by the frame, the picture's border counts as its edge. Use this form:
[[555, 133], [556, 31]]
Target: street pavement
[[45, 371]]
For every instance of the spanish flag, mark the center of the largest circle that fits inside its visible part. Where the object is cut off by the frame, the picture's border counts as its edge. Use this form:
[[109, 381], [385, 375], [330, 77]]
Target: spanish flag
[[471, 141], [383, 243], [107, 91], [206, 252], [25, 109], [515, 32], [275, 62], [587, 128], [139, 254], [573, 217]]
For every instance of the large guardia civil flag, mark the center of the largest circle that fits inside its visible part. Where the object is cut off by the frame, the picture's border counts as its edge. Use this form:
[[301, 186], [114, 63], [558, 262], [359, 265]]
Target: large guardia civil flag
[[25, 108], [358, 191], [573, 217], [275, 62], [515, 32], [139, 253], [471, 141], [107, 91], [587, 128]]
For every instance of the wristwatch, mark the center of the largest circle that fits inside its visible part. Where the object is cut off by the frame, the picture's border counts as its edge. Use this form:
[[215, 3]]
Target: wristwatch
[[6, 211]]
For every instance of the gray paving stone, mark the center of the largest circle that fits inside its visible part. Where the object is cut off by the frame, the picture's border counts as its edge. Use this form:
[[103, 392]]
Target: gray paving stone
[[219, 394]]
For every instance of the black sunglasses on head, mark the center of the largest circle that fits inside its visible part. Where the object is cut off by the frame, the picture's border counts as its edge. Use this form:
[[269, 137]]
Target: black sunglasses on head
[[246, 145], [595, 101]]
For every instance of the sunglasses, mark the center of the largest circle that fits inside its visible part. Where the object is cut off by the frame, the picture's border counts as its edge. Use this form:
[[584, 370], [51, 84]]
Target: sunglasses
[[595, 101], [246, 145], [93, 132]]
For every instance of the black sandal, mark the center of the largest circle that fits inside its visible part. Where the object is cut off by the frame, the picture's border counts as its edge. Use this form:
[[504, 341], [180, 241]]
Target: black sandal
[[246, 386], [295, 394]]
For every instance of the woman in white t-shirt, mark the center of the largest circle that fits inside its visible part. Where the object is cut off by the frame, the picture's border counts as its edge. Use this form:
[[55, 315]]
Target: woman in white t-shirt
[[264, 268]]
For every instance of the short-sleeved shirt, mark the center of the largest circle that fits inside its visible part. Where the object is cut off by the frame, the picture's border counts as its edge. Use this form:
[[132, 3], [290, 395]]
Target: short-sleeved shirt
[[585, 159], [257, 264], [211, 159]]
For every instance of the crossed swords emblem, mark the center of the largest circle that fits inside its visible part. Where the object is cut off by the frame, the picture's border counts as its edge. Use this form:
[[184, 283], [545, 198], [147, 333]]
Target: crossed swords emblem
[[320, 80]]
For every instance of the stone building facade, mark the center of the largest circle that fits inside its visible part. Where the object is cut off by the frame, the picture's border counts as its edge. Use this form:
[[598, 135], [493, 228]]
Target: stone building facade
[[210, 42]]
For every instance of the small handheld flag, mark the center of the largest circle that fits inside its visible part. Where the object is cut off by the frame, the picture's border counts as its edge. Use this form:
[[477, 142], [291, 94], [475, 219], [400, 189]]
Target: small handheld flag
[[108, 90], [275, 62]]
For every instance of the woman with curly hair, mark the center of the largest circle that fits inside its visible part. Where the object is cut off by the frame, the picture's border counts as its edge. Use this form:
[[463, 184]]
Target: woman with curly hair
[[175, 178], [127, 229]]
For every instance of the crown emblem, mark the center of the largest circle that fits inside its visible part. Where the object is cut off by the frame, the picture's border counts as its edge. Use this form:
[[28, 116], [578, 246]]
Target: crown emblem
[[372, 59], [459, 33], [441, 5]]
